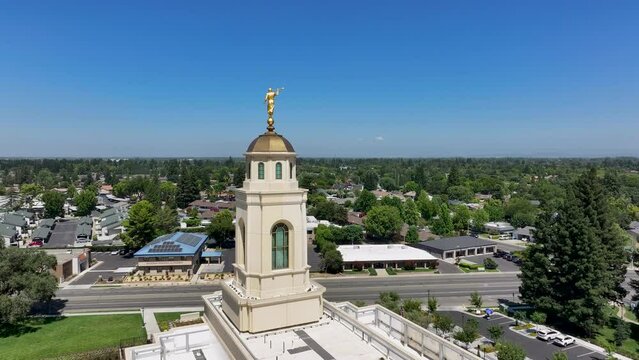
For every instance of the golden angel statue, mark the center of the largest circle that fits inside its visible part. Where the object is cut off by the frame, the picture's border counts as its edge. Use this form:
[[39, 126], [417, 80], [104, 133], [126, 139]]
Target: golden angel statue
[[269, 99]]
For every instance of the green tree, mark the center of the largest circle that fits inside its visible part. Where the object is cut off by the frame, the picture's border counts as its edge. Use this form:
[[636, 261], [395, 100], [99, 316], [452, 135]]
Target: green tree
[[495, 333], [187, 189], [221, 228], [53, 204], [410, 213], [411, 186], [469, 332], [443, 324], [538, 317], [443, 225], [365, 201], [495, 210], [475, 299], [490, 264], [140, 225], [332, 262], [479, 218], [71, 191], [622, 331], [461, 193], [508, 351], [412, 236], [520, 212], [166, 220], [461, 218], [412, 305], [388, 183], [328, 210], [432, 304], [383, 222], [85, 202], [389, 300], [577, 263], [427, 208], [25, 275], [370, 180]]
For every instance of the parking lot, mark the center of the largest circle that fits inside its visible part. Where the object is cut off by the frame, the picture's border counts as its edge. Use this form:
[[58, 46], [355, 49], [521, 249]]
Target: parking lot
[[535, 349], [502, 264], [115, 266], [62, 235]]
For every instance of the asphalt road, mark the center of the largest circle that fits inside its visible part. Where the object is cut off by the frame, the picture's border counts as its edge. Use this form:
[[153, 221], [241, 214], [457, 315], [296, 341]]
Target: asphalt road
[[534, 348], [451, 290]]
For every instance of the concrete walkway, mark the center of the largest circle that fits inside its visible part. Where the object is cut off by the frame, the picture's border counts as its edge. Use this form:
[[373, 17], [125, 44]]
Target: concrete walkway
[[381, 272], [150, 324]]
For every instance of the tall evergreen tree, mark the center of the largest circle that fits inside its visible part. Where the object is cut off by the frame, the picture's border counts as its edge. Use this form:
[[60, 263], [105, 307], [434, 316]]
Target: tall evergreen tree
[[572, 270], [187, 189]]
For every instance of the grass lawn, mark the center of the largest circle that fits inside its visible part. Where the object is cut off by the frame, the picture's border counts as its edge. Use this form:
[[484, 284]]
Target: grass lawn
[[41, 338], [630, 347], [165, 318]]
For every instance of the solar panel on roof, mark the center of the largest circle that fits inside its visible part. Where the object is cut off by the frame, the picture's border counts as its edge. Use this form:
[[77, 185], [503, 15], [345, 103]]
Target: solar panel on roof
[[189, 239]]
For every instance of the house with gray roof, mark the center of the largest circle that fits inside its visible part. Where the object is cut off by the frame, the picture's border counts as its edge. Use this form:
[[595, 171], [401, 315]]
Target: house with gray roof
[[16, 221], [83, 233], [50, 223], [8, 235], [41, 234], [525, 233]]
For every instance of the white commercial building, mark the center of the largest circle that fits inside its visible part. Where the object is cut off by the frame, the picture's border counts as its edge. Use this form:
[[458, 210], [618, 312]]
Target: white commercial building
[[381, 256]]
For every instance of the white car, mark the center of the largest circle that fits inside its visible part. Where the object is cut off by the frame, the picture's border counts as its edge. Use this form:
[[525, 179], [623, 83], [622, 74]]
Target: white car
[[547, 334], [564, 340], [115, 252]]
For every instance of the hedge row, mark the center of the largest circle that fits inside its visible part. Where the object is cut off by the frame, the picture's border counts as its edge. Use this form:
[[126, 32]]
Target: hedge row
[[469, 266]]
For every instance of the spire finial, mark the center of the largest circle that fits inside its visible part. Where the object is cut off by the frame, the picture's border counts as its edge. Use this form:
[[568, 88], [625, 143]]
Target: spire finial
[[269, 99]]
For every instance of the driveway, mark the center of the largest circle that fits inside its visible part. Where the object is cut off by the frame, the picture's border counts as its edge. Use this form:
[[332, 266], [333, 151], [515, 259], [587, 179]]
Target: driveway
[[108, 268], [535, 349], [447, 268], [63, 235]]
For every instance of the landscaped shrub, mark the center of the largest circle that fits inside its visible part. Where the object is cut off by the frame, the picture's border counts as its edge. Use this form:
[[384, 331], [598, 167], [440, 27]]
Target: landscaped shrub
[[372, 272], [391, 271], [409, 266], [490, 264]]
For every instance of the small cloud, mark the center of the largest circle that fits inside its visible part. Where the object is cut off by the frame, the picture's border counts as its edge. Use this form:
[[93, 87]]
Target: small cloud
[[379, 138]]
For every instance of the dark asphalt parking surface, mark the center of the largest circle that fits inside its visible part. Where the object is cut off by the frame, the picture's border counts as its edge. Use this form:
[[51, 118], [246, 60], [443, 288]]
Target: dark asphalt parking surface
[[503, 264], [534, 348]]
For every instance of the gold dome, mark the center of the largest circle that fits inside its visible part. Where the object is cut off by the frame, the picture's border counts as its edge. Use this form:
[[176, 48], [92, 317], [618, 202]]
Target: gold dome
[[270, 141]]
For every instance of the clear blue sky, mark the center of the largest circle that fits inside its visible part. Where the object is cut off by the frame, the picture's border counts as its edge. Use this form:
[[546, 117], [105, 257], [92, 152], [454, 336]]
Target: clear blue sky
[[362, 78]]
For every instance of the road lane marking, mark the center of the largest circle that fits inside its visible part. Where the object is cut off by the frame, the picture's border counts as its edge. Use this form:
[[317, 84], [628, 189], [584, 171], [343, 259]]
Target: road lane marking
[[592, 352]]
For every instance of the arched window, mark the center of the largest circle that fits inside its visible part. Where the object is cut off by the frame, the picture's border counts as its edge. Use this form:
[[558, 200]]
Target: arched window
[[279, 249], [260, 171], [278, 171], [290, 170]]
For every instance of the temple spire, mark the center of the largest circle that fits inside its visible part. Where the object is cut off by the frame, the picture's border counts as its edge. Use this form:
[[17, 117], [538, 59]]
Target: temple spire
[[269, 99]]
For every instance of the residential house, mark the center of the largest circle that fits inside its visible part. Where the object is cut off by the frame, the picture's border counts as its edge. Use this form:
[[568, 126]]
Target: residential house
[[16, 221], [83, 233], [41, 234], [499, 227], [8, 235]]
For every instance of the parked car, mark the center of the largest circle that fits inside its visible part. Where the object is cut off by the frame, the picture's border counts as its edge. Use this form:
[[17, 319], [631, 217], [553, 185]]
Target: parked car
[[500, 253], [563, 340], [122, 251], [115, 252], [547, 334], [514, 259], [508, 256], [35, 243]]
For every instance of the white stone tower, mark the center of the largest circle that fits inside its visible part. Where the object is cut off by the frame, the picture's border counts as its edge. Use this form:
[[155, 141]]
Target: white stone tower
[[271, 288]]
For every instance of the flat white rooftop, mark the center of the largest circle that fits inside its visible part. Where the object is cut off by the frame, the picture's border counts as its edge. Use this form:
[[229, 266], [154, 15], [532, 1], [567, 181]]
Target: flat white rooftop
[[391, 252], [325, 340]]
